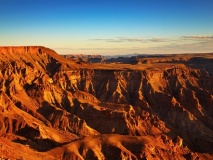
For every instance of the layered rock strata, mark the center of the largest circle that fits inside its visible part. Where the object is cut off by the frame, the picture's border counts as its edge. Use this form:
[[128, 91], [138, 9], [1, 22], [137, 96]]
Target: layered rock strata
[[56, 107]]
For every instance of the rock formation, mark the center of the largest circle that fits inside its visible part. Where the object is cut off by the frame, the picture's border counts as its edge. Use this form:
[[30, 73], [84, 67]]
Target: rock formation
[[85, 58], [55, 108]]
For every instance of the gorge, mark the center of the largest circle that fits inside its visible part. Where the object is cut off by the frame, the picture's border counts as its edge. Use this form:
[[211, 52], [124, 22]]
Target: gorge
[[51, 107]]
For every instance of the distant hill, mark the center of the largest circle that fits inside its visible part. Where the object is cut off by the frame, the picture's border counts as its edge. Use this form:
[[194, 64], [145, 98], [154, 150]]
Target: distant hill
[[86, 58]]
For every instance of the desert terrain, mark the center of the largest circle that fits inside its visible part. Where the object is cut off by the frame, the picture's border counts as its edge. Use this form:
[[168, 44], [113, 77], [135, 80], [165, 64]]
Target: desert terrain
[[149, 107]]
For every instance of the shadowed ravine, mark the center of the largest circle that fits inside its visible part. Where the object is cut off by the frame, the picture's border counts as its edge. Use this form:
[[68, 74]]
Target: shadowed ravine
[[56, 108]]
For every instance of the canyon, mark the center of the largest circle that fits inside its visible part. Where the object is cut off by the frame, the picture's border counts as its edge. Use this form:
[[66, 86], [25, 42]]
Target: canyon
[[141, 107]]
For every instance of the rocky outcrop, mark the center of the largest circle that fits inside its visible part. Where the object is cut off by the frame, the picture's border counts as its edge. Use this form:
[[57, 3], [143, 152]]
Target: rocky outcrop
[[85, 58], [103, 111], [123, 147]]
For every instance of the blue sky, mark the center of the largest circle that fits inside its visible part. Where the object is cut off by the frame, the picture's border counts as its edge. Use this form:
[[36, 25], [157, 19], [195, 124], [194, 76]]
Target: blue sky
[[109, 26]]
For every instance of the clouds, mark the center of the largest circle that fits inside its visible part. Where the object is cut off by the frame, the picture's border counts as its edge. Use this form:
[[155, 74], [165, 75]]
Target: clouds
[[132, 40], [155, 45], [182, 42], [155, 39], [185, 44], [198, 38]]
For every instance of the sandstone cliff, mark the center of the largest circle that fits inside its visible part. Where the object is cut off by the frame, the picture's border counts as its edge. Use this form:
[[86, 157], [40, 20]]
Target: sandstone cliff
[[56, 108]]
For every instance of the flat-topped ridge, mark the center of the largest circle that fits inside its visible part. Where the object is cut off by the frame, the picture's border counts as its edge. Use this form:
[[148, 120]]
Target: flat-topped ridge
[[24, 49]]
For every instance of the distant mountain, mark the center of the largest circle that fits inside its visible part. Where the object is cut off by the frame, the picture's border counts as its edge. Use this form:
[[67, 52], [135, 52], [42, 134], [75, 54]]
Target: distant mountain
[[123, 55], [85, 58]]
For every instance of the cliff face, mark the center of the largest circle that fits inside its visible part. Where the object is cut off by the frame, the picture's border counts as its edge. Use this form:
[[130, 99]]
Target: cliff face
[[72, 110], [174, 96]]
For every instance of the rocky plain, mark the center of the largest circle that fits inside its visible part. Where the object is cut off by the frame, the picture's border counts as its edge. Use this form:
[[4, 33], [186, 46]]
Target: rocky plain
[[53, 107]]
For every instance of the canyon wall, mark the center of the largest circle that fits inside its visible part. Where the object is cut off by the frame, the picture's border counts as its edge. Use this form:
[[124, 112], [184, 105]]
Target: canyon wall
[[69, 110]]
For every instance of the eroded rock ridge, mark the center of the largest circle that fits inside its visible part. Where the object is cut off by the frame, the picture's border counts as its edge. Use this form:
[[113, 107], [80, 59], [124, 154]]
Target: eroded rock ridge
[[54, 108]]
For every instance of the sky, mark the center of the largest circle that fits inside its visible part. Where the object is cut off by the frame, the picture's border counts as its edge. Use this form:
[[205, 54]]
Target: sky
[[109, 27]]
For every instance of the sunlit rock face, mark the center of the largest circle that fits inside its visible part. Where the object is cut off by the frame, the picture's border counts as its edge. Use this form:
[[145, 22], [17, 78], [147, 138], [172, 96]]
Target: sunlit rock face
[[56, 108]]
